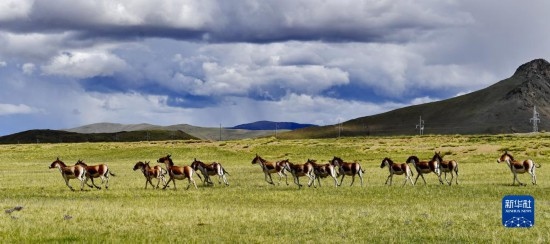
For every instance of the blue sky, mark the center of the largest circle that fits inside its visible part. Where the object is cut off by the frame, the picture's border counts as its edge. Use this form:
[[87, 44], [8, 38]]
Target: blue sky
[[67, 63]]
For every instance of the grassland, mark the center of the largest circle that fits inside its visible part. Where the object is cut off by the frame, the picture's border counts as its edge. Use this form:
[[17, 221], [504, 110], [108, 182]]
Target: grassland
[[250, 210]]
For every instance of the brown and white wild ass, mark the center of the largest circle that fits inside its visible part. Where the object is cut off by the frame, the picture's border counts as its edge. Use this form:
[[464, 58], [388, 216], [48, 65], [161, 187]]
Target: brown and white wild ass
[[323, 171], [156, 172], [397, 169], [519, 167], [207, 170], [70, 172], [177, 172], [345, 168], [299, 170], [425, 167], [450, 166], [96, 171], [269, 167]]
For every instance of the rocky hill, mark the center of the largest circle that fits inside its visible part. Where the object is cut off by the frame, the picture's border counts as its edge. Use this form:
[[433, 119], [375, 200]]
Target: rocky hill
[[504, 107]]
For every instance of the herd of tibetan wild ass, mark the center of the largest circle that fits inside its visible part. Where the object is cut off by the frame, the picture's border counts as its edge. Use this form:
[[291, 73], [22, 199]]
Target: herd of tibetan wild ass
[[312, 170]]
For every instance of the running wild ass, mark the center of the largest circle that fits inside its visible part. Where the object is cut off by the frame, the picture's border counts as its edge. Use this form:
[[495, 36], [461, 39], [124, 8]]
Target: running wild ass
[[207, 170], [70, 172], [397, 169], [519, 167], [156, 172], [177, 172], [96, 171], [345, 168]]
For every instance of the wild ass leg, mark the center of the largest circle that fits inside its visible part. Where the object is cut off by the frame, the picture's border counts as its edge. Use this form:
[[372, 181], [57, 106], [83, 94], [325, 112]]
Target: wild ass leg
[[387, 179], [171, 179], [224, 178], [159, 179], [311, 181], [67, 183], [335, 181], [151, 183], [420, 174], [86, 182], [268, 175], [106, 181], [93, 183], [452, 177], [190, 180], [319, 180], [352, 180], [407, 177], [532, 173], [297, 181], [207, 178], [517, 179], [341, 180], [158, 183], [82, 183], [281, 174]]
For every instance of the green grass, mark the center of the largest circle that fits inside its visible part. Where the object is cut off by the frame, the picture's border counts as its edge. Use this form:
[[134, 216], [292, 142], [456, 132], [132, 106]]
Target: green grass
[[250, 210]]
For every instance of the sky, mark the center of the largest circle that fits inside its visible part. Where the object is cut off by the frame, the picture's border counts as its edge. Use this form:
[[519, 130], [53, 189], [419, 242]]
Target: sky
[[66, 63]]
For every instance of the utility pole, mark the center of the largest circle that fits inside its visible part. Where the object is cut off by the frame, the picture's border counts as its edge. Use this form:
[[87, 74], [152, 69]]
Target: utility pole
[[420, 126], [220, 131], [535, 120]]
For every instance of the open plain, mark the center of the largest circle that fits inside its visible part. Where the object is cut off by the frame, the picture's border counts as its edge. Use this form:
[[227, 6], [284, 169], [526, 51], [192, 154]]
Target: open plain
[[251, 210]]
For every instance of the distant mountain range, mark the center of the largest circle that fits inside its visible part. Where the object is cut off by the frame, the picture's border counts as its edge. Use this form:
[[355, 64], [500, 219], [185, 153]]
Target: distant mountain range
[[270, 125], [105, 132], [57, 136], [505, 107], [205, 133]]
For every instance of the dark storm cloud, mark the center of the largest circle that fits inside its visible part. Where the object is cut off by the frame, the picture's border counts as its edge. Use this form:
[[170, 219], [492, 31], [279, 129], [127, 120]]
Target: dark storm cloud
[[239, 21]]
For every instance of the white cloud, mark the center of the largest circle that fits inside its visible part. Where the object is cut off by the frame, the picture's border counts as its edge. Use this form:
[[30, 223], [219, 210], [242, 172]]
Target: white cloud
[[421, 100], [10, 109], [14, 9], [28, 68], [84, 64], [241, 79], [3, 64], [31, 47]]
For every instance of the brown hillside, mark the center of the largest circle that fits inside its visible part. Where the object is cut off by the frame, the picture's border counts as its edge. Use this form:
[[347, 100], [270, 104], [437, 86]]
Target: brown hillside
[[504, 107]]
